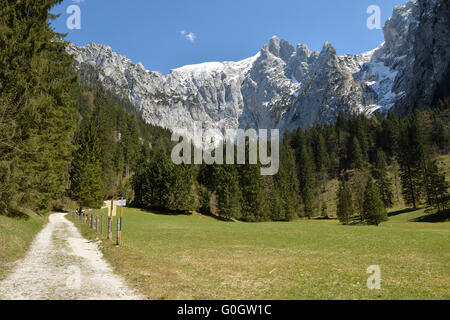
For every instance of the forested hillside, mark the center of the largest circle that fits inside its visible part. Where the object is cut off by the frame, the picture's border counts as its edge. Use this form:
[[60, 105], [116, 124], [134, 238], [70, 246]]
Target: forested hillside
[[377, 162], [110, 144]]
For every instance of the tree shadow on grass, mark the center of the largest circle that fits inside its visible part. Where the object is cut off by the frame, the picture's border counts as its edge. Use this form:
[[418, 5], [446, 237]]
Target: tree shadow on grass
[[326, 218], [219, 218], [403, 211], [17, 214], [442, 216], [164, 212]]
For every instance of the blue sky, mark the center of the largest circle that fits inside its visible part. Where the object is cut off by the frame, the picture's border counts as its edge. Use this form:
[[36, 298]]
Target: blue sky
[[166, 34]]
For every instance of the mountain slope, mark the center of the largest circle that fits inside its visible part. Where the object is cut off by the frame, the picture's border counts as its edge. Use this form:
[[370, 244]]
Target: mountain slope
[[286, 87]]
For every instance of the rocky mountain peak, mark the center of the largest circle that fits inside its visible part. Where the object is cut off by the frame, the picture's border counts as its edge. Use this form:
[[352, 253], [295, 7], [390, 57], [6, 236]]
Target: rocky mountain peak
[[405, 18], [285, 86], [280, 48]]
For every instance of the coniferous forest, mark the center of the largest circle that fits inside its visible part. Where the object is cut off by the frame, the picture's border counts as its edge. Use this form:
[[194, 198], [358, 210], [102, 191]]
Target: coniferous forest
[[64, 137]]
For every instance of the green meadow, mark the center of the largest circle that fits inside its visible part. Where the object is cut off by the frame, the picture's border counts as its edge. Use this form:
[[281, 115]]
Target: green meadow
[[200, 257]]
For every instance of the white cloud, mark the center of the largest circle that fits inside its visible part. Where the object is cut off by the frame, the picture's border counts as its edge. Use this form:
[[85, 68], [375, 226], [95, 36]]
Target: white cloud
[[188, 35], [78, 1]]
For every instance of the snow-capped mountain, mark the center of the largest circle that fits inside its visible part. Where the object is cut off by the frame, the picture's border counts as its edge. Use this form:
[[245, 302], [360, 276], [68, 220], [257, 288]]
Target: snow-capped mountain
[[285, 87]]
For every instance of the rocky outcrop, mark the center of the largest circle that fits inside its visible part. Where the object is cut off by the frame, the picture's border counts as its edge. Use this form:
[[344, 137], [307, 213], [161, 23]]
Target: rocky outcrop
[[425, 51]]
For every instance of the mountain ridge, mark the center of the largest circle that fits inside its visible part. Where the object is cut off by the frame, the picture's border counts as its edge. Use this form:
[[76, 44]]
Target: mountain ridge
[[281, 86]]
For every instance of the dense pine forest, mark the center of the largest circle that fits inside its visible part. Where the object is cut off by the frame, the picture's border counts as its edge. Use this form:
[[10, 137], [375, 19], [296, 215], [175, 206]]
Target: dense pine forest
[[64, 137]]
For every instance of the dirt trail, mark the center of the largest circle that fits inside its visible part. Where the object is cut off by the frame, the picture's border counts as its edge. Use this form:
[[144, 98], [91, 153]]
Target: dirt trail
[[62, 265]]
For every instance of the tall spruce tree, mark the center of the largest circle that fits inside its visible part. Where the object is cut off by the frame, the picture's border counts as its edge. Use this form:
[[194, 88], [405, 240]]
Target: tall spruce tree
[[374, 209], [86, 172], [228, 191], [138, 179], [383, 181], [410, 160], [324, 210], [157, 181], [180, 189], [321, 159], [306, 179], [38, 117], [437, 187], [344, 203], [356, 160], [286, 187], [254, 204]]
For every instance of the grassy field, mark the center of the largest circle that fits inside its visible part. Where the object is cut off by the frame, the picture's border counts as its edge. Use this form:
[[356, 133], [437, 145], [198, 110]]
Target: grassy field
[[198, 257], [16, 235]]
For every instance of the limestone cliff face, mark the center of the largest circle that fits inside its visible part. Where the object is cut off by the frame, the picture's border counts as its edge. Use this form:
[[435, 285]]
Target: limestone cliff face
[[285, 87], [426, 53]]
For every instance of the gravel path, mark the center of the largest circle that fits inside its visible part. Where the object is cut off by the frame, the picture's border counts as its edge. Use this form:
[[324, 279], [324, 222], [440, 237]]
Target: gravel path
[[62, 265]]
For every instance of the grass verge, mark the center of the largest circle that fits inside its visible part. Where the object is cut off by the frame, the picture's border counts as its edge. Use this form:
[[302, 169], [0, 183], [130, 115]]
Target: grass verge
[[16, 234]]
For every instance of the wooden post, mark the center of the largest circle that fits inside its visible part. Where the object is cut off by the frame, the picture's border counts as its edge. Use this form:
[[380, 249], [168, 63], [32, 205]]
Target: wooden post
[[110, 221], [120, 231], [96, 223], [101, 225], [110, 228]]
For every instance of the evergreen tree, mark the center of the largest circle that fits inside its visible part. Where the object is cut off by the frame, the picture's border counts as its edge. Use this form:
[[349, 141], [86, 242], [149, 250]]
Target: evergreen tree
[[254, 204], [344, 203], [383, 181], [355, 154], [204, 200], [357, 181], [387, 135], [157, 181], [411, 173], [324, 210], [286, 187], [374, 210], [321, 157], [138, 179], [306, 179], [228, 191], [38, 117], [437, 188], [180, 189], [86, 172]]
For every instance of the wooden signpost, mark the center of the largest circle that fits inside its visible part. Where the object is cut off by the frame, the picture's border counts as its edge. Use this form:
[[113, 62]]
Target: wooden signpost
[[121, 203]]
